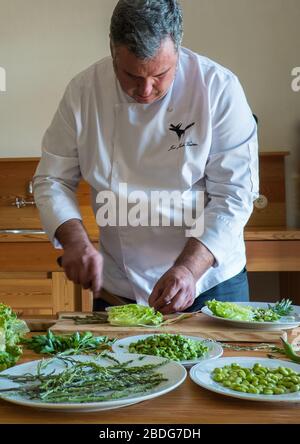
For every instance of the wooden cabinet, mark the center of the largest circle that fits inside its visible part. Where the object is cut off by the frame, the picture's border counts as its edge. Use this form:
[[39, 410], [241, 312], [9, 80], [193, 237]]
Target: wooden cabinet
[[38, 293], [30, 279], [270, 208]]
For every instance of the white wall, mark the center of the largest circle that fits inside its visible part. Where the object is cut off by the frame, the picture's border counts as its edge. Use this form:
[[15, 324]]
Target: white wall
[[44, 43], [259, 40]]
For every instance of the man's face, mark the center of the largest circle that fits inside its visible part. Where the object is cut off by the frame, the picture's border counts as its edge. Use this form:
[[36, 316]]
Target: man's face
[[146, 80]]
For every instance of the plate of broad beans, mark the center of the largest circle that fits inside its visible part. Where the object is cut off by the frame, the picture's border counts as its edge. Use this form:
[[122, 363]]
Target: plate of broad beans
[[252, 379], [187, 350]]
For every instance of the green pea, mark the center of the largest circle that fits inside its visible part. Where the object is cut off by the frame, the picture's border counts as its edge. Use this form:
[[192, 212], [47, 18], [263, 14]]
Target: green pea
[[268, 391], [295, 379], [279, 391], [283, 371], [253, 390], [239, 388]]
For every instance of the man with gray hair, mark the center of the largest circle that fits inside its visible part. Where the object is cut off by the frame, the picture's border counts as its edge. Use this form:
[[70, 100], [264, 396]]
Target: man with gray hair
[[153, 116]]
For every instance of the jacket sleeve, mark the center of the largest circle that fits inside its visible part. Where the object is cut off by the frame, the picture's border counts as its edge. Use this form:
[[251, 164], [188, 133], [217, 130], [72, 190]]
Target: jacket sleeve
[[231, 174], [58, 173]]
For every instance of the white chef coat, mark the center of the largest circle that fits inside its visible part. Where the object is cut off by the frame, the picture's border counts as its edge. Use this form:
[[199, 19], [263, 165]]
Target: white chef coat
[[102, 135]]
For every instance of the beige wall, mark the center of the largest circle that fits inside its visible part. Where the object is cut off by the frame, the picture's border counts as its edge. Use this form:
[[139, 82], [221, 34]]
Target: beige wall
[[43, 43], [259, 41]]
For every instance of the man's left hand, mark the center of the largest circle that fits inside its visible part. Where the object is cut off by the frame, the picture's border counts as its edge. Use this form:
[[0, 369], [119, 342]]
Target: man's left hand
[[175, 291]]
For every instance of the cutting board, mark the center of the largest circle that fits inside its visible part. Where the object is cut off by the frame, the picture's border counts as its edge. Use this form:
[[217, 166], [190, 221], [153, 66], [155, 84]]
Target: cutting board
[[198, 325]]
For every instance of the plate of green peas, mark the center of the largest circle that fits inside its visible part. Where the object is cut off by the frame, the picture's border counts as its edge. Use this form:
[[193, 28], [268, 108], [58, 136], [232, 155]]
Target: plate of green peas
[[187, 350], [253, 379]]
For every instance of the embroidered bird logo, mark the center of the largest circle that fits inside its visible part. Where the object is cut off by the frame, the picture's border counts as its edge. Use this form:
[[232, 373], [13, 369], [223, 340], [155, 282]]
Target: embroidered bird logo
[[177, 129]]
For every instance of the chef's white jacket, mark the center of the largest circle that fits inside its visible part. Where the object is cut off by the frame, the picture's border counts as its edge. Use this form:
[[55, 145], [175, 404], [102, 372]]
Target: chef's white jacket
[[100, 134]]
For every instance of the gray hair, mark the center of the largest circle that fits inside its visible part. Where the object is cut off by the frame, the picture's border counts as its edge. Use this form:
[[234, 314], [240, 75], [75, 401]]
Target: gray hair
[[142, 25]]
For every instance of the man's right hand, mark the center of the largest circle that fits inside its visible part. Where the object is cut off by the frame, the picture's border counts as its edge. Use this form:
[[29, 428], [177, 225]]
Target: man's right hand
[[83, 265], [81, 261]]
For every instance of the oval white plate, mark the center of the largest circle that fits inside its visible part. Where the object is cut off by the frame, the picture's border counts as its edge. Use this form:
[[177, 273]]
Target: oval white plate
[[282, 324], [173, 371], [215, 349], [201, 375]]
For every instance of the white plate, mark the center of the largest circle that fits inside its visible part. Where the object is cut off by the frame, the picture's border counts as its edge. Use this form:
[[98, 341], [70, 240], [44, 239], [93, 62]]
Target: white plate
[[215, 349], [283, 323], [201, 375], [173, 371]]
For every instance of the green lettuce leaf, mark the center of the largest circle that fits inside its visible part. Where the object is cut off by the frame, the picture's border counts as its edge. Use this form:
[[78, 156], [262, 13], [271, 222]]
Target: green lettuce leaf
[[230, 310], [2, 340], [133, 315], [12, 330]]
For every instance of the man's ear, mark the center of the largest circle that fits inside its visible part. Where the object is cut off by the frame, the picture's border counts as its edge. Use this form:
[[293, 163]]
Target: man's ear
[[113, 55], [111, 45]]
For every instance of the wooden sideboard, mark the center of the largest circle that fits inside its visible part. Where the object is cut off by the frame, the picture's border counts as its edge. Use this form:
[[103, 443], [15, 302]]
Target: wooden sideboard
[[32, 282]]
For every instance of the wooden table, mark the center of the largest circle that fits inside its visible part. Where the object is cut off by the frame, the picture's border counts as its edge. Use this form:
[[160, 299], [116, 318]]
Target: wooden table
[[188, 404]]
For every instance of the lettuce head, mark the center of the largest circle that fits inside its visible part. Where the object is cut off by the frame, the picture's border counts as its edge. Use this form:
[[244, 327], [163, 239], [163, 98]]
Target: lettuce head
[[11, 331], [131, 315]]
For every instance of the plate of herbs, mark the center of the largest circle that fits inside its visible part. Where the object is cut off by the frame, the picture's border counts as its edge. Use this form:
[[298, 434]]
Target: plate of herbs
[[85, 383]]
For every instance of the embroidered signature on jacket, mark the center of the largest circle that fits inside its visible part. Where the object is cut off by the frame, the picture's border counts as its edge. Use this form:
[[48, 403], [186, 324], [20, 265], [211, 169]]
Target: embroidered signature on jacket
[[182, 145]]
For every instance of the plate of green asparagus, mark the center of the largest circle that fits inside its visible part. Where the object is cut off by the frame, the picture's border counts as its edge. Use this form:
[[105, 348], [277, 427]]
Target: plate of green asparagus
[[90, 383], [280, 315]]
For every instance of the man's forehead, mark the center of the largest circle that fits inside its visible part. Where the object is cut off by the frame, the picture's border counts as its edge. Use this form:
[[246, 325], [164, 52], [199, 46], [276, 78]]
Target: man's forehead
[[163, 60]]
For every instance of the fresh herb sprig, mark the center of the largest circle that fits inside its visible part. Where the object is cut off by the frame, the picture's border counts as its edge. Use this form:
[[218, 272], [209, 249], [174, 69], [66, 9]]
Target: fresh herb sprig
[[68, 344], [282, 308]]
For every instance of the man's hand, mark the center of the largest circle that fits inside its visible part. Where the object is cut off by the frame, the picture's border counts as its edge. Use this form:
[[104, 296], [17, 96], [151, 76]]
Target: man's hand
[[81, 261], [83, 265], [175, 291]]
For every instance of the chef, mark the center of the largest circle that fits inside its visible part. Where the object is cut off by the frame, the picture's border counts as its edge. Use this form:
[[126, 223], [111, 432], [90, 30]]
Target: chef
[[153, 116]]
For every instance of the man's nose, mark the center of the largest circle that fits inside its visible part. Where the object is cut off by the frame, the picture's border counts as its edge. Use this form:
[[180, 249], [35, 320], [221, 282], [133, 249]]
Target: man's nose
[[145, 87]]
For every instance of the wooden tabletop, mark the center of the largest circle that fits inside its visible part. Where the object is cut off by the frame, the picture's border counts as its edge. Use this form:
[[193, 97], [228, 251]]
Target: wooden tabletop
[[188, 404]]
